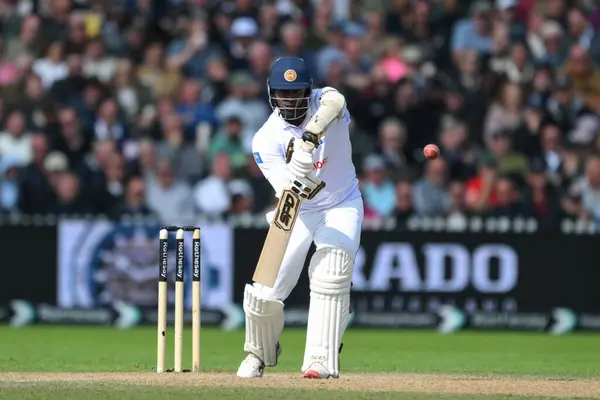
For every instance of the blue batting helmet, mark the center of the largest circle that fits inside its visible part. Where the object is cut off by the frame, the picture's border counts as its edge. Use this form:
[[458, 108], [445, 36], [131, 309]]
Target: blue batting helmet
[[290, 74]]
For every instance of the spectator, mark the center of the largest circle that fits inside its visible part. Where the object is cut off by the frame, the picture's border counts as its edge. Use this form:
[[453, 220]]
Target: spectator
[[242, 198], [229, 141], [586, 78], [473, 33], [583, 199], [404, 202], [28, 43], [430, 193], [191, 108], [543, 196], [108, 186], [168, 198], [64, 91], [53, 67], [134, 201], [9, 185], [392, 139], [243, 33], [155, 73], [15, 140], [38, 189], [73, 140], [509, 202], [68, 197], [480, 192], [96, 63], [507, 113], [185, 160], [108, 122], [212, 194], [242, 102], [510, 162], [378, 190], [192, 52]]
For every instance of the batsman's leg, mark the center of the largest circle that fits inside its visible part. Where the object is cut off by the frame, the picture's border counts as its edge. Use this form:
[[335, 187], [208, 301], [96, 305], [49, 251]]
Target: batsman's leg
[[330, 273], [264, 306]]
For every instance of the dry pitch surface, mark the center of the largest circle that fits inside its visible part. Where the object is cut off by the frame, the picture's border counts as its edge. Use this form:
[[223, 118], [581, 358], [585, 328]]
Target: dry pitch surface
[[368, 382]]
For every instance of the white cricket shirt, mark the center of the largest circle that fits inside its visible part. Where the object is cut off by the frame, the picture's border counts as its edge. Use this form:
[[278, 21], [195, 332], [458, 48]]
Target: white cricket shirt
[[332, 159]]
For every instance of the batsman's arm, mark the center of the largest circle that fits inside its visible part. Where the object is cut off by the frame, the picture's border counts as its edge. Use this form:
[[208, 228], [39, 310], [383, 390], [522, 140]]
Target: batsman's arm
[[271, 162], [332, 108]]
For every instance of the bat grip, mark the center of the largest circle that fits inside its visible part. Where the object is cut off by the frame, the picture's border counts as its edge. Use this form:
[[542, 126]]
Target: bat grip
[[311, 138]]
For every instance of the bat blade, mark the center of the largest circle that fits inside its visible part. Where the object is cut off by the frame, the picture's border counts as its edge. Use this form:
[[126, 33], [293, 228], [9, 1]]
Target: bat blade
[[278, 238]]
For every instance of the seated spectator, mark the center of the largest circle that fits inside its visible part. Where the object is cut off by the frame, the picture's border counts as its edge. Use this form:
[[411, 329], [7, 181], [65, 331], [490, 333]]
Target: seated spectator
[[473, 33], [242, 102], [133, 97], [242, 198], [69, 200], [29, 42], [185, 160], [97, 64], [108, 123], [53, 67], [430, 193], [108, 187], [453, 137], [211, 194], [72, 139], [379, 193], [15, 140], [583, 198], [585, 76], [167, 197], [33, 104], [229, 140], [509, 161], [67, 90], [543, 196], [192, 52], [38, 182], [192, 110], [9, 184], [458, 199], [510, 203], [404, 203], [480, 192], [506, 115], [159, 76], [392, 141], [134, 201]]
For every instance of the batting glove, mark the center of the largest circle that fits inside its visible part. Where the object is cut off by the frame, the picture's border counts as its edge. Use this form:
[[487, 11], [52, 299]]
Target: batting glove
[[307, 186], [301, 163]]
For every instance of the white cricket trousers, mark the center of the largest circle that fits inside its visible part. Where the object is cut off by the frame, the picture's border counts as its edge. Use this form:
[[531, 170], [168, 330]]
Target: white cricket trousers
[[338, 227]]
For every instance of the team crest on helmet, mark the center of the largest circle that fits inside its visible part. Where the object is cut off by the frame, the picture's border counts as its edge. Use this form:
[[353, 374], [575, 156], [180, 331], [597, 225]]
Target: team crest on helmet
[[290, 75]]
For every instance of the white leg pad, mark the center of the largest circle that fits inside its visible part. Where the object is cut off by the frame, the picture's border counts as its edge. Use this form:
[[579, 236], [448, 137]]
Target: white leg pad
[[330, 273], [264, 324]]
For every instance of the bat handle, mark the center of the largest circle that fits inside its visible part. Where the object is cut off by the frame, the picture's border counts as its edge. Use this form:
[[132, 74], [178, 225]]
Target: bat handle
[[308, 146]]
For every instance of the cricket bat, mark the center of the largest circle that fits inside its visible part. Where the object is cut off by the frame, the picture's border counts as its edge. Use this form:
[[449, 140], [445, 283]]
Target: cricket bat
[[278, 236]]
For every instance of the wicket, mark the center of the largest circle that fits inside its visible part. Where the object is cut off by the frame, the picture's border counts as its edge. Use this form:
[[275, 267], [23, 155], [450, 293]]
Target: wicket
[[179, 298]]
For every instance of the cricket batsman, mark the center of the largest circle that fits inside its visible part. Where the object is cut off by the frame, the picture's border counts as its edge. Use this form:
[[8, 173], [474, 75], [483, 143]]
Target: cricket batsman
[[331, 217]]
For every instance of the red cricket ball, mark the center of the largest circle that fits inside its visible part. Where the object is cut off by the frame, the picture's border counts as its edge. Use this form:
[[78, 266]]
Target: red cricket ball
[[431, 151]]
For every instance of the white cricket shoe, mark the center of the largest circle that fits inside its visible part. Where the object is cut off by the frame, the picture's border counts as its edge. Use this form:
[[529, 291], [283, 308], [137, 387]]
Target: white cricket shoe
[[317, 371], [253, 367]]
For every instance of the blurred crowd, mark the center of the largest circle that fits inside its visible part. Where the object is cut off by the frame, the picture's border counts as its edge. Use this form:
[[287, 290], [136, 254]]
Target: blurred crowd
[[149, 106]]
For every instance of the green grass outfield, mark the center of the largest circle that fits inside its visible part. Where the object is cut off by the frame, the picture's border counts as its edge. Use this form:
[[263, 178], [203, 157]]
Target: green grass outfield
[[494, 366]]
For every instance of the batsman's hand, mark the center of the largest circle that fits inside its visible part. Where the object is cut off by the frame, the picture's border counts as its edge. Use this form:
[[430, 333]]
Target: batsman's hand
[[301, 163], [307, 187]]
